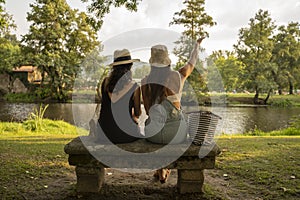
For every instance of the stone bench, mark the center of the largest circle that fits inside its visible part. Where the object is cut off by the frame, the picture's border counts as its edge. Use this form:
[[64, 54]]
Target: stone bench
[[91, 159]]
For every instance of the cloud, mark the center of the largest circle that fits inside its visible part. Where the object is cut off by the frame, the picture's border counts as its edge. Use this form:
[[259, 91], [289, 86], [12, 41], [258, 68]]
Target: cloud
[[150, 14], [162, 12], [139, 41], [230, 15], [286, 11]]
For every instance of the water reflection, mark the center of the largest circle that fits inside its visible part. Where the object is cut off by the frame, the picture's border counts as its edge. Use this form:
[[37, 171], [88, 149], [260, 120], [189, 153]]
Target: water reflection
[[234, 119]]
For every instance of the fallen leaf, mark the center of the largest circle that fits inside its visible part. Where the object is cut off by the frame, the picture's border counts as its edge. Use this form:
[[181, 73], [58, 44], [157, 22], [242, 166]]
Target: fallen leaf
[[284, 189]]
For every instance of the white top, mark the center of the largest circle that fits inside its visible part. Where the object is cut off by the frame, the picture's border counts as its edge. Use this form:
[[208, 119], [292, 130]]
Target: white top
[[176, 97]]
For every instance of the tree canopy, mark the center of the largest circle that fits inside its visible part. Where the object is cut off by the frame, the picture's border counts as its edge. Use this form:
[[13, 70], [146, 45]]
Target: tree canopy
[[102, 7], [194, 18], [9, 46], [254, 49], [286, 56], [229, 68], [58, 39]]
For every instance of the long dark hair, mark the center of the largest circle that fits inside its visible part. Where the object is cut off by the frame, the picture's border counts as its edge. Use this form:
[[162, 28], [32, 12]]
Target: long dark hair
[[156, 84], [120, 74]]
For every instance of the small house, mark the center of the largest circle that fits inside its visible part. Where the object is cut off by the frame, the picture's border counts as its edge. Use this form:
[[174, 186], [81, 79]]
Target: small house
[[28, 75]]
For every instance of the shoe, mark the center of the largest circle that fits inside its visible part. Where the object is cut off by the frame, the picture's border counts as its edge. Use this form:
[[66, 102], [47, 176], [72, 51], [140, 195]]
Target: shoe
[[162, 175]]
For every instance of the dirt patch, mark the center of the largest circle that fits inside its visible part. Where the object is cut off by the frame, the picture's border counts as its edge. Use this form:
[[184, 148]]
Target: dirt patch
[[119, 185]]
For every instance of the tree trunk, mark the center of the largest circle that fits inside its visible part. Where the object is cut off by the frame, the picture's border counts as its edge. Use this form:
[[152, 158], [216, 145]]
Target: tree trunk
[[291, 87], [256, 99], [279, 91], [268, 96]]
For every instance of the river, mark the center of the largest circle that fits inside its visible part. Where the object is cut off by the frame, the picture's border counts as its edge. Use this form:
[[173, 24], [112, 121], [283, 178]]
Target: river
[[234, 119]]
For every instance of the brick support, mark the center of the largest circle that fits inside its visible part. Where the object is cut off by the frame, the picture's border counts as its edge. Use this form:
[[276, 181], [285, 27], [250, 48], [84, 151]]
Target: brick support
[[89, 179], [190, 181]]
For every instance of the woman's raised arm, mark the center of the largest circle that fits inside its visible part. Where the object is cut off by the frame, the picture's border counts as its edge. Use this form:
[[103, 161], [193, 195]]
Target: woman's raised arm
[[186, 70]]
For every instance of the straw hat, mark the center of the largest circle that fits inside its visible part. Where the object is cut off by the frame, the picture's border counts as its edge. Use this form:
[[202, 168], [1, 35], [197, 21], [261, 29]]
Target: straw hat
[[122, 57], [159, 56]]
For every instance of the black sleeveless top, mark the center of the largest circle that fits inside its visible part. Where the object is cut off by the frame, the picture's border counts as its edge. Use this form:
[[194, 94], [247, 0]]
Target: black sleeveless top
[[116, 119]]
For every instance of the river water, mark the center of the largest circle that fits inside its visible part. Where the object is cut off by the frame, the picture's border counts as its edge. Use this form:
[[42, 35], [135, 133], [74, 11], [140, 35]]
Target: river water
[[234, 119]]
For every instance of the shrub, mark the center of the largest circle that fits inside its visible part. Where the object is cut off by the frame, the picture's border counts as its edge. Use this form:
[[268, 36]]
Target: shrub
[[19, 97], [35, 121], [282, 103]]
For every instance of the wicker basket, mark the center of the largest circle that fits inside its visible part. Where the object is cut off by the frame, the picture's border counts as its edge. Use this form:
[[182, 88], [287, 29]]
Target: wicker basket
[[202, 126]]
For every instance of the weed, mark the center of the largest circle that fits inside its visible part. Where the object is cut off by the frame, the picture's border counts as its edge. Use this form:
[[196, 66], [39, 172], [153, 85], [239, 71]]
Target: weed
[[35, 121]]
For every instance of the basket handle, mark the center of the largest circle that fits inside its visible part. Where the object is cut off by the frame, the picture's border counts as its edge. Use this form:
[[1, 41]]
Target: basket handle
[[200, 111]]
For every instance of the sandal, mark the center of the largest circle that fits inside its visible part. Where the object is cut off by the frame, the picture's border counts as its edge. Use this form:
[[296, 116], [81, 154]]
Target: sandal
[[162, 175]]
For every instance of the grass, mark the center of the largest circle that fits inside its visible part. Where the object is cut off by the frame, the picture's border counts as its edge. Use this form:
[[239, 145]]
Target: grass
[[88, 96], [260, 167], [275, 100], [33, 164], [48, 128], [31, 161], [20, 97]]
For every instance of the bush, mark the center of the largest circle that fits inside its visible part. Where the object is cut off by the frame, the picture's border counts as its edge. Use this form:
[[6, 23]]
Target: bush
[[282, 103], [43, 93], [35, 121], [19, 97], [295, 123]]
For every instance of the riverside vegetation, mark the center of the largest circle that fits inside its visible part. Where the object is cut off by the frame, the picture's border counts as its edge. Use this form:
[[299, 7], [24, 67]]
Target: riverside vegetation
[[230, 98]]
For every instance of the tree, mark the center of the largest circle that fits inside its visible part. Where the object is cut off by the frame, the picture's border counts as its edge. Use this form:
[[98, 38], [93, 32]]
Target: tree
[[93, 69], [194, 19], [9, 46], [58, 39], [102, 7], [141, 72], [228, 67], [2, 15], [254, 49], [10, 53], [286, 56]]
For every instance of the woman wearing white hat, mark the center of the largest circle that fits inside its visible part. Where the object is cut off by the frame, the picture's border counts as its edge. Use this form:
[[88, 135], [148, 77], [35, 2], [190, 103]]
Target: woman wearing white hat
[[120, 104], [161, 91]]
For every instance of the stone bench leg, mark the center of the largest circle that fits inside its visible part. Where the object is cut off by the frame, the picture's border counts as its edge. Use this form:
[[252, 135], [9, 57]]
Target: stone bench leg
[[190, 181], [89, 179]]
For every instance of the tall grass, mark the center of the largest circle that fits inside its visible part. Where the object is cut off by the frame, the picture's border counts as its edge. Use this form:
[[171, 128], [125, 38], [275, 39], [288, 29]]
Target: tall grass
[[292, 130], [35, 121]]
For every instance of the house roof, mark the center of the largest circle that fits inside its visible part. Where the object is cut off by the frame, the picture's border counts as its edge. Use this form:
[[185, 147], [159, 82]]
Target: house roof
[[25, 69]]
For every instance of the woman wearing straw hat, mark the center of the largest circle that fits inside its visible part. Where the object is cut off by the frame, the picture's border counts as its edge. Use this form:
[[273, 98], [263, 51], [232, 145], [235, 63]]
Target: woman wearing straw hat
[[161, 91], [121, 104]]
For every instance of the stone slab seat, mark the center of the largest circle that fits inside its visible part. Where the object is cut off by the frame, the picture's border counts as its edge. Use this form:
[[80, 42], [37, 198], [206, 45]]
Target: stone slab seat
[[90, 171]]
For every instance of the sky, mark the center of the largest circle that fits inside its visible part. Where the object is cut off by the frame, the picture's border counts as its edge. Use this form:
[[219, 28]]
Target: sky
[[153, 17]]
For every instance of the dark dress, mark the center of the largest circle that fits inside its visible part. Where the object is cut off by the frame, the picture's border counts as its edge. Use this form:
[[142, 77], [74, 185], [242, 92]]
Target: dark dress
[[115, 118]]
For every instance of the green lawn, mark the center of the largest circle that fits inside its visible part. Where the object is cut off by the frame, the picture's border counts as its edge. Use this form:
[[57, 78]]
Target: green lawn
[[33, 164], [32, 161], [260, 167], [275, 100], [28, 163]]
